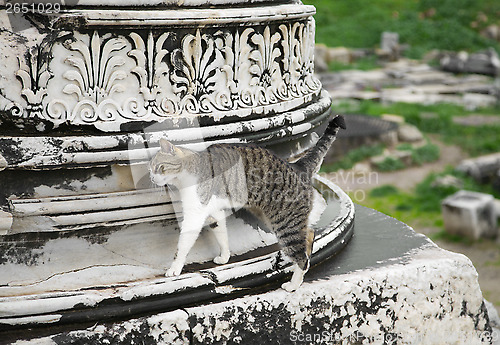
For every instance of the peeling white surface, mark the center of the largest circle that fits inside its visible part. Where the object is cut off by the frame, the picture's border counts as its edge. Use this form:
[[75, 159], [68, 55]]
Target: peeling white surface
[[38, 304], [5, 222], [169, 328], [44, 319], [136, 252], [129, 263], [43, 151], [404, 288], [167, 333]]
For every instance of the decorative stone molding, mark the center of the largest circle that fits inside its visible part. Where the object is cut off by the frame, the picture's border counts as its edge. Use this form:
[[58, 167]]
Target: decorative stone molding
[[148, 75], [184, 15], [85, 96]]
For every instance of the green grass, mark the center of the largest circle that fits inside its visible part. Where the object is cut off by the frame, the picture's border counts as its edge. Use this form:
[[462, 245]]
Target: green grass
[[390, 164], [437, 119], [424, 24], [425, 154], [422, 206], [420, 155], [363, 64], [352, 157], [383, 191], [401, 205], [442, 235]]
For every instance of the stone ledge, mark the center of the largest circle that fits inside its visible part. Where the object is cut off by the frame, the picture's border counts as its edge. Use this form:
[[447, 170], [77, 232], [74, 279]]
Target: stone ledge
[[390, 285]]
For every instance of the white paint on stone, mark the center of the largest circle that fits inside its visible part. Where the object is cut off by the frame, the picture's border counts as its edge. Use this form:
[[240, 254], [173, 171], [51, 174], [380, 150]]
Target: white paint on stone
[[5, 222], [165, 328], [40, 152], [170, 87], [135, 253], [130, 261], [405, 288]]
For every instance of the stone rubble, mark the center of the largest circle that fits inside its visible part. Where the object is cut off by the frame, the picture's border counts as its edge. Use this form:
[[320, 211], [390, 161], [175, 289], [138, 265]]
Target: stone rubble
[[409, 133], [476, 120], [483, 169], [470, 214], [447, 181], [411, 81], [485, 62]]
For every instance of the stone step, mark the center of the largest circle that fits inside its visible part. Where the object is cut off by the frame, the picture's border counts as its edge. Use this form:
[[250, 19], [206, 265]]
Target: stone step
[[390, 285]]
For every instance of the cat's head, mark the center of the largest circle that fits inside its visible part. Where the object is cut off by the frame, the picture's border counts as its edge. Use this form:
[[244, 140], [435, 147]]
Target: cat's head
[[168, 163]]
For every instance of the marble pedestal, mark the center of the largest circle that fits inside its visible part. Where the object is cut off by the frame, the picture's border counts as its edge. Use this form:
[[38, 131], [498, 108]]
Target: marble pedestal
[[389, 286]]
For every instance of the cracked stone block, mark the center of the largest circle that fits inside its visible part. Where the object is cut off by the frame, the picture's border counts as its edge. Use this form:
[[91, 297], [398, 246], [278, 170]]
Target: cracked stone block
[[388, 286], [481, 168], [470, 214]]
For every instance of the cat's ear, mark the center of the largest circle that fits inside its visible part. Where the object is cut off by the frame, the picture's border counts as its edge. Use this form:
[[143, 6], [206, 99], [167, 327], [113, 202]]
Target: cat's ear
[[166, 146]]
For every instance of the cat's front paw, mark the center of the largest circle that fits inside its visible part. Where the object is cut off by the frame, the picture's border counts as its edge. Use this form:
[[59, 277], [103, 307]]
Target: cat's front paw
[[222, 259], [174, 270], [290, 286]]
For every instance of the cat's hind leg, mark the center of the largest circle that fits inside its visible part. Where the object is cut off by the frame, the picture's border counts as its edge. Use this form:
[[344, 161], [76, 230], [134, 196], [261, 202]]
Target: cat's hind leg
[[190, 230], [299, 249], [220, 233], [296, 281]]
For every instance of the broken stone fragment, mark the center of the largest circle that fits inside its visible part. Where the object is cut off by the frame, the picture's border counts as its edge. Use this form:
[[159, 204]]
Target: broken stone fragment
[[470, 214], [482, 168], [3, 163], [409, 133], [447, 181]]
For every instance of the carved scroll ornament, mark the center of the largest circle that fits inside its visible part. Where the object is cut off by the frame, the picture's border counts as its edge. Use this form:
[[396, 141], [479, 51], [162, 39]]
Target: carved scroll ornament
[[104, 79]]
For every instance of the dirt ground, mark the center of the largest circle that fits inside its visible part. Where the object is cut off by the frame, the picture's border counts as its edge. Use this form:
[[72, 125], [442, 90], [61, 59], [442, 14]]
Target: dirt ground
[[485, 254]]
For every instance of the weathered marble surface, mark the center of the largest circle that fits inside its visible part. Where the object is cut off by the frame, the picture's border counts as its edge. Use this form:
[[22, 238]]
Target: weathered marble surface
[[195, 72], [59, 278], [390, 285], [87, 91], [182, 66]]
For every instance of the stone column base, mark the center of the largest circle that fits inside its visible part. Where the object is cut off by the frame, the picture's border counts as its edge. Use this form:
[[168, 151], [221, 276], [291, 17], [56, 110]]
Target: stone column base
[[389, 286]]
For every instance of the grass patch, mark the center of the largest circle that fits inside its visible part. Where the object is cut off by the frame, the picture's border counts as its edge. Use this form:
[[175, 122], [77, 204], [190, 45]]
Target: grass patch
[[425, 154], [400, 205], [444, 236], [424, 24], [383, 191], [352, 157], [419, 155], [437, 119], [390, 164], [364, 64], [422, 206]]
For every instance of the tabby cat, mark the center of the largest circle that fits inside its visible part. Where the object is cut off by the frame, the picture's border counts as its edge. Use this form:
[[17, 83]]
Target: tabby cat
[[231, 176]]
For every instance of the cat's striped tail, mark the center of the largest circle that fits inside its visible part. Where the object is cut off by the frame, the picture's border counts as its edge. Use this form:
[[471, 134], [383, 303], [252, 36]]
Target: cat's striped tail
[[311, 161]]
